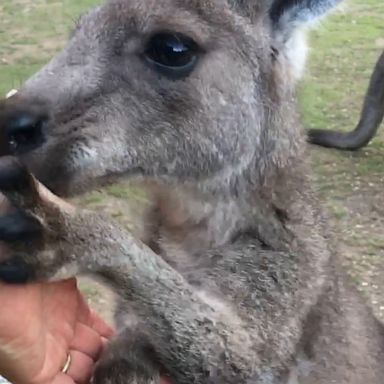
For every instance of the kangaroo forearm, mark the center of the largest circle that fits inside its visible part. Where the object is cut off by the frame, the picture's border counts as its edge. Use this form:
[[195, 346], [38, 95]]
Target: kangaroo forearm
[[183, 328], [187, 329]]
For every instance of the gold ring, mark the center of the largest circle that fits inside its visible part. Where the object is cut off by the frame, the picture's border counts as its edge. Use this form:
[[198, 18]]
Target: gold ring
[[67, 364]]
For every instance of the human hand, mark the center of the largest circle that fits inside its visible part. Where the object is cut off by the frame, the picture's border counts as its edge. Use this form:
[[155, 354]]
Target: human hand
[[39, 325]]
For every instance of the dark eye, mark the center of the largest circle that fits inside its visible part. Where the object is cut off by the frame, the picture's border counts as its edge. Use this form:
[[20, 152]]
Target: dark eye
[[172, 54]]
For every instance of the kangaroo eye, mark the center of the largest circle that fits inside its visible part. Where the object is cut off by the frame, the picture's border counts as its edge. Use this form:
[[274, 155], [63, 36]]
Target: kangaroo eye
[[172, 54]]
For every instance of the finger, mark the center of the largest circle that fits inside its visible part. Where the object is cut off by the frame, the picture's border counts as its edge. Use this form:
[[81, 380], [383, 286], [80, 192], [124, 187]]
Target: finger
[[62, 378], [81, 368], [87, 341], [20, 226], [84, 314], [17, 184], [101, 327], [92, 319], [105, 342]]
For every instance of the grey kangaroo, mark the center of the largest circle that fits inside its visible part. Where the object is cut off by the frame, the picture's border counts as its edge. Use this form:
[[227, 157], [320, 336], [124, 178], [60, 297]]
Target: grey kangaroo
[[235, 279]]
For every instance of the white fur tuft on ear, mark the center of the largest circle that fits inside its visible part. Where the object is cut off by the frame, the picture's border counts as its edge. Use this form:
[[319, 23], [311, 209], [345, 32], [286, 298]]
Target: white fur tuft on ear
[[296, 52], [290, 21]]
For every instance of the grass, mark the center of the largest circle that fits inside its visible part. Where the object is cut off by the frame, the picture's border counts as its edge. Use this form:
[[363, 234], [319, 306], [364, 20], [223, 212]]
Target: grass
[[30, 33], [344, 51]]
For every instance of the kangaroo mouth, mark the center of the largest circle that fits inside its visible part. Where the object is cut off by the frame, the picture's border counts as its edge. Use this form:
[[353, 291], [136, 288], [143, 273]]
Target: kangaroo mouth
[[61, 165], [74, 167]]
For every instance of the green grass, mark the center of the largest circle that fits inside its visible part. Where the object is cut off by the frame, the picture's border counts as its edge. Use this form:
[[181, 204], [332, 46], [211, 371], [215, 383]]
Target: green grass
[[30, 33], [344, 50]]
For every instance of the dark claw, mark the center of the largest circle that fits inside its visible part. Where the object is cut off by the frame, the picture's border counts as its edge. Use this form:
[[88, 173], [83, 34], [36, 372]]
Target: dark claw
[[20, 227], [13, 175], [15, 271], [16, 182]]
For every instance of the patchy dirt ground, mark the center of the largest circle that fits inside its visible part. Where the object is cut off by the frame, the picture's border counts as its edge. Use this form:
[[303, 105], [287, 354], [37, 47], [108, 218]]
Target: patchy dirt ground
[[351, 185], [355, 202], [344, 51]]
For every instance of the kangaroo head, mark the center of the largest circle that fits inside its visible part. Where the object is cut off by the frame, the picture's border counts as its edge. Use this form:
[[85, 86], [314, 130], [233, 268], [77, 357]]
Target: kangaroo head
[[179, 91]]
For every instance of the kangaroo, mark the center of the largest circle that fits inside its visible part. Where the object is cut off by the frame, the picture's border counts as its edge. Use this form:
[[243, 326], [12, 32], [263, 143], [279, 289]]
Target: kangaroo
[[236, 279], [371, 117]]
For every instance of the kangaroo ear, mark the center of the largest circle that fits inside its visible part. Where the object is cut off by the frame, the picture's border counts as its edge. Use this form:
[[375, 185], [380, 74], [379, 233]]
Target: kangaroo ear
[[287, 16], [289, 20]]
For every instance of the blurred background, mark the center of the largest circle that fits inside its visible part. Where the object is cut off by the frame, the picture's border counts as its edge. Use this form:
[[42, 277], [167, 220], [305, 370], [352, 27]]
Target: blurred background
[[343, 52]]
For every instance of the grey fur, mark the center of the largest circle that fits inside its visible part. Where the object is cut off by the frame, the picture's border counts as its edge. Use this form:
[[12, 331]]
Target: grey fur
[[236, 280]]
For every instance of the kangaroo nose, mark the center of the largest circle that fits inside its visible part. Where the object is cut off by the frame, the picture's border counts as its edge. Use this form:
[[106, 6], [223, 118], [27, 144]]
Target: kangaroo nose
[[24, 131]]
